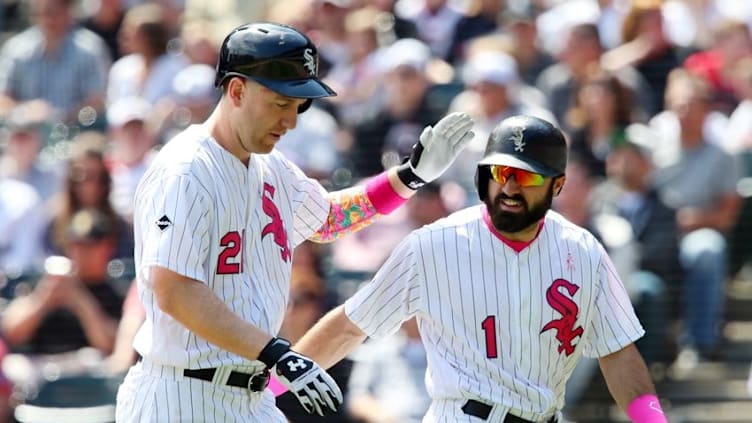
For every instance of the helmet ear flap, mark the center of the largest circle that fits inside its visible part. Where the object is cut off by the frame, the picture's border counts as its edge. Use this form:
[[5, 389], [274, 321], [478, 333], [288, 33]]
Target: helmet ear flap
[[482, 175], [303, 107]]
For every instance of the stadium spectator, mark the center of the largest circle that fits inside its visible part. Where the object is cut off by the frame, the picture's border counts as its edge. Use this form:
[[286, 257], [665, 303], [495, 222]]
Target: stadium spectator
[[105, 21], [391, 26], [357, 81], [328, 32], [582, 49], [58, 67], [87, 184], [651, 267], [731, 43], [74, 304], [147, 68], [21, 227], [131, 140], [435, 22], [192, 99], [313, 144], [737, 132], [646, 47], [480, 18], [393, 131], [526, 48], [20, 158], [200, 42], [698, 180], [602, 109]]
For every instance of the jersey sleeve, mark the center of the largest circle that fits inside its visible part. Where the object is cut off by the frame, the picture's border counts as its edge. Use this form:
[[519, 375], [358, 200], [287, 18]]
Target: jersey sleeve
[[614, 324], [392, 296], [310, 202], [174, 218]]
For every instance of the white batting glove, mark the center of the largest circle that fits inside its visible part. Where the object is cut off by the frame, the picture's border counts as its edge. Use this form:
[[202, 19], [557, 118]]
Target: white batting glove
[[315, 389], [437, 149]]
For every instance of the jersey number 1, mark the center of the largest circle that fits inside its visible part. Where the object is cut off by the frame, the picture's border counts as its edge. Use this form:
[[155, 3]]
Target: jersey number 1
[[489, 327], [233, 243]]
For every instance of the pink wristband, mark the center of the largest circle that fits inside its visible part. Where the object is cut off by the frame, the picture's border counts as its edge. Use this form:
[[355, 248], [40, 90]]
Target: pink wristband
[[275, 386], [382, 195], [646, 409]]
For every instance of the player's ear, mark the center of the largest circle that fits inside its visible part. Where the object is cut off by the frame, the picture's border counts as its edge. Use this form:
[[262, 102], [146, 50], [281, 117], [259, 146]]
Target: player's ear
[[559, 184], [236, 90]]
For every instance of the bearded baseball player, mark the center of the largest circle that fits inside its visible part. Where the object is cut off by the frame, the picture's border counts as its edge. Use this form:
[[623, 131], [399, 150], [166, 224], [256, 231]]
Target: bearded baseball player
[[217, 216], [508, 295]]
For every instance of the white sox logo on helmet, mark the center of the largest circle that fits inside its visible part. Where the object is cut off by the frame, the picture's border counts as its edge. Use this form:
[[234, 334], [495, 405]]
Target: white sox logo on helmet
[[310, 61], [517, 134]]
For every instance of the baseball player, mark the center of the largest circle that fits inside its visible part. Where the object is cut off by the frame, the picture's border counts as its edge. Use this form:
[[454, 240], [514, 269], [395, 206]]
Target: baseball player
[[508, 295], [217, 216]]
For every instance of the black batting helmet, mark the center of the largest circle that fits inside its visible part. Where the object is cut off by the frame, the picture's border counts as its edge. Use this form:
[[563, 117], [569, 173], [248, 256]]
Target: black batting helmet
[[524, 142], [276, 56]]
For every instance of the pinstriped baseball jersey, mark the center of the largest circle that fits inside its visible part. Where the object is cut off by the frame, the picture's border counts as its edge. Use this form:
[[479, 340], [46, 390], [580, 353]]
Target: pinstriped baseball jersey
[[501, 326], [201, 213]]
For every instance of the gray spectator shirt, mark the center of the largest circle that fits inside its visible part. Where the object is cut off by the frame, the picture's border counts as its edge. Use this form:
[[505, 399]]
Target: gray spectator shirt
[[64, 78], [697, 177]]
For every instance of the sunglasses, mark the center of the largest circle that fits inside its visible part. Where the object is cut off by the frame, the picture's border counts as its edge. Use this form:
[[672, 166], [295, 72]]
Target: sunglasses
[[524, 178]]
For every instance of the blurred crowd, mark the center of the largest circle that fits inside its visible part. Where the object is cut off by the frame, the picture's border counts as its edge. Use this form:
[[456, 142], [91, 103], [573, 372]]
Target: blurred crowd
[[655, 97]]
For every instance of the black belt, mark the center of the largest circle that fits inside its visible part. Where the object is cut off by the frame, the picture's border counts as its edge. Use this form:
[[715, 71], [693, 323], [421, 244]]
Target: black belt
[[255, 383], [482, 411]]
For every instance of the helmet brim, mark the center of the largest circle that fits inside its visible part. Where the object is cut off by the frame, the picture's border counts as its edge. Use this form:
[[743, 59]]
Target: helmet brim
[[514, 161], [299, 88]]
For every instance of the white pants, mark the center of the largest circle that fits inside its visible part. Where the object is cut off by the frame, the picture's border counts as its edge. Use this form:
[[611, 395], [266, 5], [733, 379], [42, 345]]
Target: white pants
[[161, 394]]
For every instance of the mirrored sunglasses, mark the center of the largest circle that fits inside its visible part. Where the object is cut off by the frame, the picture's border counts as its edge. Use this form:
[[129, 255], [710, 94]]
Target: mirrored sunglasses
[[524, 178]]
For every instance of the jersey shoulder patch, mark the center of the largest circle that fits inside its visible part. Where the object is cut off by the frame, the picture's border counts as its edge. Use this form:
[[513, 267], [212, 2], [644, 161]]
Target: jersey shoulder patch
[[163, 223]]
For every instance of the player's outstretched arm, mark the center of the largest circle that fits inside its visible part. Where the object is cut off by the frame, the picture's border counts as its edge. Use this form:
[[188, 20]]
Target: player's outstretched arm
[[355, 208], [629, 382], [331, 338]]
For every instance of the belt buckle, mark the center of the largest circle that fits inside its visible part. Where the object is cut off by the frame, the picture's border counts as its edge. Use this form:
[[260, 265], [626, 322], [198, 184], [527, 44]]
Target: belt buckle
[[259, 381]]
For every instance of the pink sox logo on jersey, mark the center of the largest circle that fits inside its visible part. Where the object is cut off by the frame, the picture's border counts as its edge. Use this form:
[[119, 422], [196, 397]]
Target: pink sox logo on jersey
[[275, 227], [565, 330]]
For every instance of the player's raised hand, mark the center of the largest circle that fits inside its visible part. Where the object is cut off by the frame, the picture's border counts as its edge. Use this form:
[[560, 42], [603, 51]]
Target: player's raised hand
[[315, 389], [438, 147]]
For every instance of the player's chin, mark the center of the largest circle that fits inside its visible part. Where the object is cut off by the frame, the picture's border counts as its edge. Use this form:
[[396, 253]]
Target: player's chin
[[270, 142], [267, 146], [266, 149]]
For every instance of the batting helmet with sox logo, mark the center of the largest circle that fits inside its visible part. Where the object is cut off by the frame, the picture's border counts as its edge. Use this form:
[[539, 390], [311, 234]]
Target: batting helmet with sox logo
[[276, 56]]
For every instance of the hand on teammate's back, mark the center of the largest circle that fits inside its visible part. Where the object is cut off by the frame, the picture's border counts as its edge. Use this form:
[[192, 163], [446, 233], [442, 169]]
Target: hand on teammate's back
[[438, 147], [315, 389]]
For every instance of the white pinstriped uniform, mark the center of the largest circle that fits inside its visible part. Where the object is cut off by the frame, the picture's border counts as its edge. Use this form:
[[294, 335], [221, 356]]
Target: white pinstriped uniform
[[482, 308], [203, 214]]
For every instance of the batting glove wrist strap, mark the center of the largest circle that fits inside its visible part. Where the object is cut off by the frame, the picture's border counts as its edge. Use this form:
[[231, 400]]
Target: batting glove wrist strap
[[406, 173], [273, 350]]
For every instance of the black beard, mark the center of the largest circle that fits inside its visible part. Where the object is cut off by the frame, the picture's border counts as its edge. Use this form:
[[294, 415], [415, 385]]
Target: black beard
[[505, 221]]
